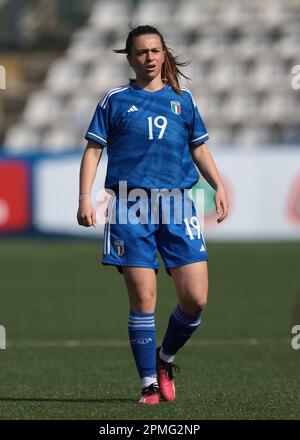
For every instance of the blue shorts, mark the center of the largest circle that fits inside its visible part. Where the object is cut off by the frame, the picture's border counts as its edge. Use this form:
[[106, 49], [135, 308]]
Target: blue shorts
[[136, 229]]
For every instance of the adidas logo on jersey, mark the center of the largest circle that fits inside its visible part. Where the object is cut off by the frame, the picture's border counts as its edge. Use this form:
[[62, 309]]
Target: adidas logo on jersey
[[133, 108], [202, 249]]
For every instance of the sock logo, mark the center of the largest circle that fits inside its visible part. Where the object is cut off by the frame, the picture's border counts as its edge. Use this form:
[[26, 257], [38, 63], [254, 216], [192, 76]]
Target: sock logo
[[140, 341]]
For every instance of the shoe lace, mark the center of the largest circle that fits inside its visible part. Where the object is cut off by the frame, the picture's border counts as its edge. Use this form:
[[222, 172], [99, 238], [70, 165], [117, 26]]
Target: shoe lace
[[169, 368], [151, 389]]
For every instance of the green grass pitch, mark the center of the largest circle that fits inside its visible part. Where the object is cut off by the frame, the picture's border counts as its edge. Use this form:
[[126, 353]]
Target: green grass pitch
[[67, 353]]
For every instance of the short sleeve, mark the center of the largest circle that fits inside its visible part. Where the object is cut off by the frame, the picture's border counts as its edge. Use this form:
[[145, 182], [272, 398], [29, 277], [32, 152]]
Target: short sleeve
[[198, 133], [98, 129]]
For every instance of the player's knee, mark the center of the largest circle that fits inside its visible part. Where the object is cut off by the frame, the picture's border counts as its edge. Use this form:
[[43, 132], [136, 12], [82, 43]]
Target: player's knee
[[144, 302], [194, 306], [199, 304]]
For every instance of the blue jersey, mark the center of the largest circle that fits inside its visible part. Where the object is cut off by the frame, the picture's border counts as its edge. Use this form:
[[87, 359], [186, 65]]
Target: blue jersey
[[148, 136]]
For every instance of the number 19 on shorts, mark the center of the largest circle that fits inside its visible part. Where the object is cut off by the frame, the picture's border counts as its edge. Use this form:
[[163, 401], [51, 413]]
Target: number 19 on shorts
[[194, 222]]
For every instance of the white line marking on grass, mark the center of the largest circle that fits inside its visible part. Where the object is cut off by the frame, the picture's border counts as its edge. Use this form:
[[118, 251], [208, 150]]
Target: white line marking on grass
[[125, 343]]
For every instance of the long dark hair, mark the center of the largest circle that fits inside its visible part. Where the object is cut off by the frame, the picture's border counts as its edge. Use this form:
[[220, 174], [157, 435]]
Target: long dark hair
[[170, 71]]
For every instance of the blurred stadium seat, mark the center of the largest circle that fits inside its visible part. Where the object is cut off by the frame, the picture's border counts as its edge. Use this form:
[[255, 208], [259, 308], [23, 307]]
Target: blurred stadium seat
[[64, 77], [147, 12], [42, 109], [22, 138], [110, 15], [59, 138]]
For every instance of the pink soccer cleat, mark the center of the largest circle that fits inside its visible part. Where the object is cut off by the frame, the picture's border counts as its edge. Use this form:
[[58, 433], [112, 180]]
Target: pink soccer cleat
[[165, 377], [150, 395]]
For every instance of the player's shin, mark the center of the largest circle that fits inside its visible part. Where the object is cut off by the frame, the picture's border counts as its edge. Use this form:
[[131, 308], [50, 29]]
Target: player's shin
[[180, 329], [141, 329]]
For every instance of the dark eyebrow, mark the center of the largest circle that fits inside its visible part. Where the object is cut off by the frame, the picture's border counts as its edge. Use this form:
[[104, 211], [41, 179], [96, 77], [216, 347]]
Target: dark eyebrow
[[147, 50]]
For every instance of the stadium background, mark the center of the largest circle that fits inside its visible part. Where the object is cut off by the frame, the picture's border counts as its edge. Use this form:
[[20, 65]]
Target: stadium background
[[64, 358]]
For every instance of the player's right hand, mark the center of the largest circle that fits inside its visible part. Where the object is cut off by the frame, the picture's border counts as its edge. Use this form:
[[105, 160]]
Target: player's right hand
[[86, 215]]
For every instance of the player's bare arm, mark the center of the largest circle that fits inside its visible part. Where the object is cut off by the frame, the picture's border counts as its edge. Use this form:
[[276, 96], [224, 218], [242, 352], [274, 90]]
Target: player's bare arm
[[86, 215], [207, 167]]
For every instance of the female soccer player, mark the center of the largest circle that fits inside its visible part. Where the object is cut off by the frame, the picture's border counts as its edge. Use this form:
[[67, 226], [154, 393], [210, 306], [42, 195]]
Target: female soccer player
[[154, 137]]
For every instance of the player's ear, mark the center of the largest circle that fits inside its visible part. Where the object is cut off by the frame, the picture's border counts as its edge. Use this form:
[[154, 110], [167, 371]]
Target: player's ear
[[129, 60]]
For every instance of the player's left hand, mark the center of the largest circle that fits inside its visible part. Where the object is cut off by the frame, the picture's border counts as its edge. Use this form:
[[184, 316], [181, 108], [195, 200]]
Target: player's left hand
[[221, 203]]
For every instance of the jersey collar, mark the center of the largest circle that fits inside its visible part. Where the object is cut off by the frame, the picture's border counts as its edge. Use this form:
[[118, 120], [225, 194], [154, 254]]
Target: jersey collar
[[147, 92]]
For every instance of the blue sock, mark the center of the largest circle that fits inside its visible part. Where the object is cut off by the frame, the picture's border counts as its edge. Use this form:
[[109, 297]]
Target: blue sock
[[141, 329], [180, 329]]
